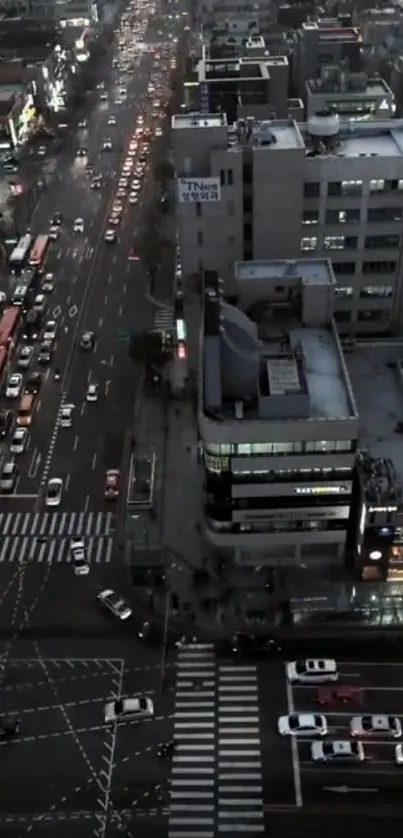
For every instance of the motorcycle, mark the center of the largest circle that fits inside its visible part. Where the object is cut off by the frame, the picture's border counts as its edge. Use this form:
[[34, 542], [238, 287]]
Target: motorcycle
[[56, 375], [166, 750]]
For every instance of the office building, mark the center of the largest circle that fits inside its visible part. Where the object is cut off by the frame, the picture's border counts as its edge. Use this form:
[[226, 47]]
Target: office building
[[322, 43], [353, 96], [277, 417], [240, 86], [276, 190], [217, 12]]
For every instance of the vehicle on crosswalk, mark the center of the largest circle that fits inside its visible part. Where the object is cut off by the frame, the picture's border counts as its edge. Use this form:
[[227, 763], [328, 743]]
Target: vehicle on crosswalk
[[54, 489], [14, 386], [66, 416], [337, 751], [19, 441], [8, 477], [113, 602], [312, 671], [302, 724], [112, 484], [129, 710], [80, 562], [378, 725]]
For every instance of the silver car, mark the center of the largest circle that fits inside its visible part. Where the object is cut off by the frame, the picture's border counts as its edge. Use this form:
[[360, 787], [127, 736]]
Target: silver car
[[115, 604], [80, 562]]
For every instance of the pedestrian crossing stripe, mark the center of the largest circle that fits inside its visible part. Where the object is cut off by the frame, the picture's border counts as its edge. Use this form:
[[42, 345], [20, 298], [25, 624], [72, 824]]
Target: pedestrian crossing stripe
[[25, 549], [56, 524], [164, 320]]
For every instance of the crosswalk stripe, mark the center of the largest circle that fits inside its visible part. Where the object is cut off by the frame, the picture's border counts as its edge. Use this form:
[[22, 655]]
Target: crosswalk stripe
[[55, 524], [22, 549]]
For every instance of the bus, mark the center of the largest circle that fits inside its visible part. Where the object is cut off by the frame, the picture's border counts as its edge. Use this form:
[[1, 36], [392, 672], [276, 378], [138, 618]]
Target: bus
[[3, 362], [19, 255], [38, 253], [8, 325]]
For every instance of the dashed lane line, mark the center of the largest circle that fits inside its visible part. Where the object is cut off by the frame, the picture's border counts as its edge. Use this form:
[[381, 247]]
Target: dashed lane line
[[74, 678], [78, 731], [82, 702], [79, 815]]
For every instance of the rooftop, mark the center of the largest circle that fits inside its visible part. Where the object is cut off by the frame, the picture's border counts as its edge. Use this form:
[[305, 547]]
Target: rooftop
[[377, 382], [355, 88], [199, 120], [8, 91], [310, 271], [261, 361]]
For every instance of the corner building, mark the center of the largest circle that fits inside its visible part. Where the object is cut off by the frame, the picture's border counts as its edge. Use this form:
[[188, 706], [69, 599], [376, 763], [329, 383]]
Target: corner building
[[277, 418]]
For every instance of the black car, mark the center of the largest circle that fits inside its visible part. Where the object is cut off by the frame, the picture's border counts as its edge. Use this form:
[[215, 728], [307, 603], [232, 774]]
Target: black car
[[34, 383], [32, 325], [87, 341], [6, 421], [9, 726], [45, 352], [57, 218], [82, 152]]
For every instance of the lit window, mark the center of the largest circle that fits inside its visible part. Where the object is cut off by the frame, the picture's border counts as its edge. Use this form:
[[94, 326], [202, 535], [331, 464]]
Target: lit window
[[376, 185], [345, 291], [376, 291], [309, 243], [351, 187], [334, 242]]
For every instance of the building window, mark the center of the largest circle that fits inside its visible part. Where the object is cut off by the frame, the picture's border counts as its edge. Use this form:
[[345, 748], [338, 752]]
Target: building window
[[334, 188], [198, 209], [374, 315], [383, 267], [339, 242], [311, 190], [200, 238], [310, 217], [374, 291], [309, 243], [342, 316], [381, 242], [351, 187], [377, 185], [222, 177], [343, 216], [343, 291], [230, 177], [343, 268], [384, 215], [247, 203]]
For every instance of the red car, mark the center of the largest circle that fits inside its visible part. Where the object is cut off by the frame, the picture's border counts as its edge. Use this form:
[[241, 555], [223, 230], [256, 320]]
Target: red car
[[112, 487]]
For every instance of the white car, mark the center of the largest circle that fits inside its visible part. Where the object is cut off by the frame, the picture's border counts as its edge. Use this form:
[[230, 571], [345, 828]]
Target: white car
[[112, 120], [107, 145], [92, 393], [110, 235], [312, 671], [338, 751], [136, 185], [54, 490], [54, 232], [398, 753], [302, 724], [14, 386], [48, 283], [50, 331], [121, 193], [376, 726], [78, 226], [81, 566], [115, 604], [129, 710], [133, 198], [25, 356], [158, 132], [66, 416], [19, 441], [123, 182], [39, 303]]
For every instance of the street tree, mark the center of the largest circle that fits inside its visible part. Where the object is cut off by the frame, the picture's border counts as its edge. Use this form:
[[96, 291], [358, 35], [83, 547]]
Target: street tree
[[164, 172]]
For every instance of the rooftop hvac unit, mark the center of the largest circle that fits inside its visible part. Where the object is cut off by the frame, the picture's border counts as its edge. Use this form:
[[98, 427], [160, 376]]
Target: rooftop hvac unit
[[263, 133], [324, 125]]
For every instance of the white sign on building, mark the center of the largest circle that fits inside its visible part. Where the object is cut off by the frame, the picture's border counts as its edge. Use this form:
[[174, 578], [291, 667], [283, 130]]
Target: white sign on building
[[198, 190]]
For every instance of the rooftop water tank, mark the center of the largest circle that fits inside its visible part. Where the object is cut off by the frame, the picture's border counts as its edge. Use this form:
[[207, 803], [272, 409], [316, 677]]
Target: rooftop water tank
[[324, 124]]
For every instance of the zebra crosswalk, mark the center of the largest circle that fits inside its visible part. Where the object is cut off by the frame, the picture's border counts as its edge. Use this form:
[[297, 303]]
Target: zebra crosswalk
[[216, 778], [164, 320], [56, 524], [28, 549]]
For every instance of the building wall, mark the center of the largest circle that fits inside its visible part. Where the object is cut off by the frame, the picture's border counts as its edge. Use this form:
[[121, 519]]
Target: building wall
[[279, 203]]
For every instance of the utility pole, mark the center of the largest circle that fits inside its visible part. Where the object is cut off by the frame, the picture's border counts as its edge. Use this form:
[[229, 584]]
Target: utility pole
[[165, 642]]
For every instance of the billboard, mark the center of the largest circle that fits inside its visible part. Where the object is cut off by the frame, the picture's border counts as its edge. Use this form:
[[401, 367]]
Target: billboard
[[198, 190]]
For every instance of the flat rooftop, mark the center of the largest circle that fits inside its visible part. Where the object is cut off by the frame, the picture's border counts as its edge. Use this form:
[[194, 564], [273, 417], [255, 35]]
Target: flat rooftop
[[373, 87], [311, 271], [286, 134], [378, 390], [382, 138], [199, 120], [7, 91]]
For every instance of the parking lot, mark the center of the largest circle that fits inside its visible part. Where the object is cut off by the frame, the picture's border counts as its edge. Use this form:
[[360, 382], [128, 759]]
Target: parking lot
[[64, 760], [298, 781]]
